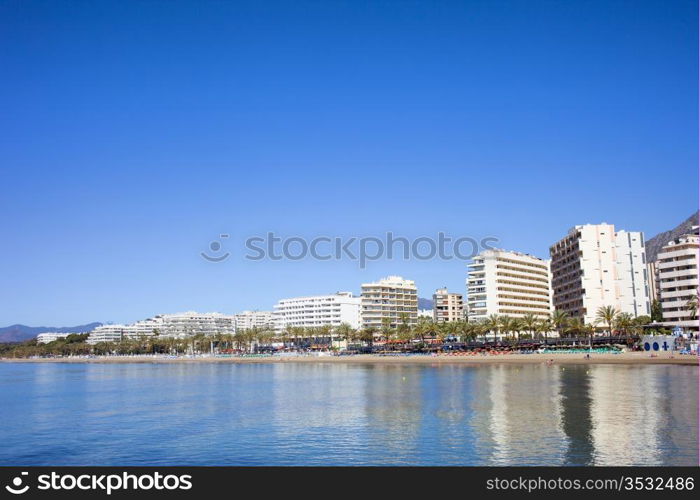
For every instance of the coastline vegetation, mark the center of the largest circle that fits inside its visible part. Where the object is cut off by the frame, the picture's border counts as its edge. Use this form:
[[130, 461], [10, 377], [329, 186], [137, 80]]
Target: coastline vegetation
[[423, 336]]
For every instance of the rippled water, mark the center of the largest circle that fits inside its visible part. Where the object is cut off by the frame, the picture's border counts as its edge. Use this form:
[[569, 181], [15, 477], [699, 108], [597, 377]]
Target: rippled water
[[347, 414]]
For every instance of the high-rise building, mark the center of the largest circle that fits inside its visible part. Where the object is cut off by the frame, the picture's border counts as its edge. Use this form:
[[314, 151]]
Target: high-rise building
[[391, 299], [508, 283], [317, 310], [246, 320], [677, 266], [447, 306], [595, 266]]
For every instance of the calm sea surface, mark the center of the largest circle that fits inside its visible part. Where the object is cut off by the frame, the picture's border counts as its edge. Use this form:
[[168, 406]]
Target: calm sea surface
[[345, 414]]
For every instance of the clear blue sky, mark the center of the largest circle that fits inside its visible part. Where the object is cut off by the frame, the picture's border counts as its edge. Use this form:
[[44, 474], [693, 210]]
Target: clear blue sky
[[133, 133]]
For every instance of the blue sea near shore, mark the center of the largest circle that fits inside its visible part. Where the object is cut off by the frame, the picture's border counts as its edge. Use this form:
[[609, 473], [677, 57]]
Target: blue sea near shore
[[347, 414]]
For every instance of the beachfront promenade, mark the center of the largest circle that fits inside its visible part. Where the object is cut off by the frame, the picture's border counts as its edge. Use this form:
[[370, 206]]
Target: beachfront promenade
[[624, 358]]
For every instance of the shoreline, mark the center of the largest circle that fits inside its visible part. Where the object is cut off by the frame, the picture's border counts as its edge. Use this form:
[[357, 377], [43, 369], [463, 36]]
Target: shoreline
[[575, 359]]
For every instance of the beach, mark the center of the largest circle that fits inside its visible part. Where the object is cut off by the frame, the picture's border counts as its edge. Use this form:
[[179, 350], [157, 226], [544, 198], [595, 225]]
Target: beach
[[627, 358]]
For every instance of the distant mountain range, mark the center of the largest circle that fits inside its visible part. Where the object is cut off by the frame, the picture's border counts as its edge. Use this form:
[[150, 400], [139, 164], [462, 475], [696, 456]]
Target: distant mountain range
[[653, 245], [20, 333]]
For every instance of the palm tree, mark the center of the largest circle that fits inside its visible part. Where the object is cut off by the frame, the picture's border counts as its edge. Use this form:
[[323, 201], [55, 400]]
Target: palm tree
[[529, 323], [424, 327], [469, 331], [656, 312], [623, 322], [493, 324], [387, 330], [503, 326], [456, 328], [288, 334], [405, 333], [544, 326], [344, 332], [692, 305], [575, 326], [607, 315], [325, 332], [589, 330], [367, 335], [639, 323], [403, 330], [559, 321]]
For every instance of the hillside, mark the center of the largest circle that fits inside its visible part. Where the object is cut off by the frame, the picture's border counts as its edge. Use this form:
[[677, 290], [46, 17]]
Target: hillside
[[20, 333], [653, 245]]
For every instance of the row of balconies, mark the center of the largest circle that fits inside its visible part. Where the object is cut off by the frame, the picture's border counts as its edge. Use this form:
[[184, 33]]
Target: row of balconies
[[526, 278], [527, 272]]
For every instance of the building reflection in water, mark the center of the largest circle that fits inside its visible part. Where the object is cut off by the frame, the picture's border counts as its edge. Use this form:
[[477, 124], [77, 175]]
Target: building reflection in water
[[518, 415]]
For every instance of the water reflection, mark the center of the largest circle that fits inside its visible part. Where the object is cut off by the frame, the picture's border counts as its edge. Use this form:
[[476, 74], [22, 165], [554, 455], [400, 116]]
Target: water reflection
[[335, 414]]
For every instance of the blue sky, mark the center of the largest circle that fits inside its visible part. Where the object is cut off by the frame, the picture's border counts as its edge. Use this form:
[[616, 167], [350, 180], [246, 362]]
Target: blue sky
[[133, 133]]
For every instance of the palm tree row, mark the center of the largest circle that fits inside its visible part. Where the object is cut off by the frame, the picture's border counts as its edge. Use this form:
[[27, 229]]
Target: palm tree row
[[503, 327]]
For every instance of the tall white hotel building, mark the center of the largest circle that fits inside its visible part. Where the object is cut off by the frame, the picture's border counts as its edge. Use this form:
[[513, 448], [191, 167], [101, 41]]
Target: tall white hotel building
[[594, 266], [508, 283], [317, 310]]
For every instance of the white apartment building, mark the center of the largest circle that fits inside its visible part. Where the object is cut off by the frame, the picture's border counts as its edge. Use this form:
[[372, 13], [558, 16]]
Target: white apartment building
[[146, 328], [167, 325], [427, 313], [393, 298], [106, 333], [317, 310], [594, 266], [46, 337], [191, 323], [508, 283], [447, 306], [246, 320], [677, 266]]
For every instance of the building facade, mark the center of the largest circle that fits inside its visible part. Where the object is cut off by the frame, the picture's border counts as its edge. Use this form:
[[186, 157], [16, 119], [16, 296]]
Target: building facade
[[427, 313], [106, 333], [178, 325], [447, 306], [317, 310], [653, 281], [677, 266], [508, 283], [595, 266], [45, 338], [246, 320], [391, 299]]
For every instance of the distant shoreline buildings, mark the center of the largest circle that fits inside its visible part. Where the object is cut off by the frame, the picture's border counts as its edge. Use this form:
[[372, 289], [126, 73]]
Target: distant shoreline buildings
[[45, 338], [317, 310], [593, 266]]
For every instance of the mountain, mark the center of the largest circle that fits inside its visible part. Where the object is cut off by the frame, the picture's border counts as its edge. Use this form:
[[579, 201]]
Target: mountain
[[20, 333], [653, 245], [425, 303]]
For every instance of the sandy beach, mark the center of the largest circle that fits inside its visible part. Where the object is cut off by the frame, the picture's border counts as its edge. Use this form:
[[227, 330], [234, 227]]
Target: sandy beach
[[629, 358]]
